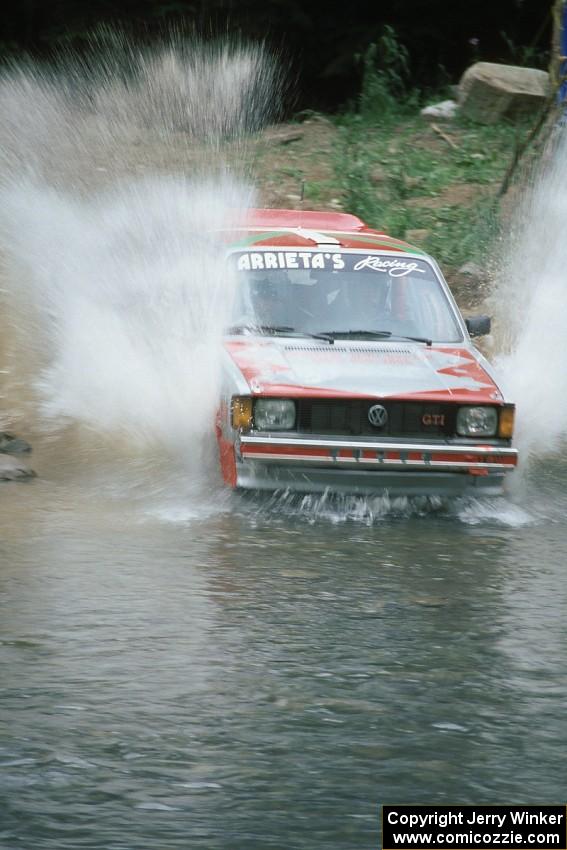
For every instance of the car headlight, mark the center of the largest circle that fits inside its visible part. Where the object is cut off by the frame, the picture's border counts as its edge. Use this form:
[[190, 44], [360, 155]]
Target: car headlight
[[274, 414], [477, 421]]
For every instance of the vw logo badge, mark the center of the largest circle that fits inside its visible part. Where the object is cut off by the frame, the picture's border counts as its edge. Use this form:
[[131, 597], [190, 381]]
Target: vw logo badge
[[377, 415]]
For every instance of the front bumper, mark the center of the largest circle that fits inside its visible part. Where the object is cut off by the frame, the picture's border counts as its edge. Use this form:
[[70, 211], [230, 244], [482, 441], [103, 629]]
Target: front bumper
[[315, 464]]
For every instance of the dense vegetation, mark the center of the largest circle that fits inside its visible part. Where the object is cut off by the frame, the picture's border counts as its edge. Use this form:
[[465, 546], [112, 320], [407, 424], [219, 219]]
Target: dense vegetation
[[441, 186], [406, 176], [370, 66], [324, 43], [442, 195]]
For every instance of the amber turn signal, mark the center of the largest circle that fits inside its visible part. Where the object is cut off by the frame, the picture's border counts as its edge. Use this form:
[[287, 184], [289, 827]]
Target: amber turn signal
[[506, 422], [241, 412]]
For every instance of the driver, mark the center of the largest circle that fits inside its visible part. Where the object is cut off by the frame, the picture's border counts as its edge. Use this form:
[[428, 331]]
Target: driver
[[267, 302]]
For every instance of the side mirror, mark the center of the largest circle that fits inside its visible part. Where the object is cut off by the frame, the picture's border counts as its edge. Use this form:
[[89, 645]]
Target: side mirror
[[478, 325]]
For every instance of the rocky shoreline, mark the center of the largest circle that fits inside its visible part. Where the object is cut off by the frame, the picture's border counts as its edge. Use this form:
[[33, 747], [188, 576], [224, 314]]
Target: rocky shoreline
[[14, 468]]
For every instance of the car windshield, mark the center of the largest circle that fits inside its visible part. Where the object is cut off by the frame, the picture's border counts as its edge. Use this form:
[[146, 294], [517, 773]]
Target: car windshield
[[334, 292]]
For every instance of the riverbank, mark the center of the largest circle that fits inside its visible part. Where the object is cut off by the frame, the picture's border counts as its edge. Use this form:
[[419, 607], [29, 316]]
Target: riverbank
[[435, 185]]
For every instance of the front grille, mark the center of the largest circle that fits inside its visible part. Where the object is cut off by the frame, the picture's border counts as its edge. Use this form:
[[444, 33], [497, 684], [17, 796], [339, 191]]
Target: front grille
[[349, 417], [333, 350]]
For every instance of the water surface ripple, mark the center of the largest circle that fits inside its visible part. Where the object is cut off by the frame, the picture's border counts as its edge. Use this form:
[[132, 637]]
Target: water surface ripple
[[254, 677]]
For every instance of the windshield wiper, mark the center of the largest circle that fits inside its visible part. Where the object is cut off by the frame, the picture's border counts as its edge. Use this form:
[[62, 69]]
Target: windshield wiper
[[279, 329], [423, 339], [376, 335], [353, 333]]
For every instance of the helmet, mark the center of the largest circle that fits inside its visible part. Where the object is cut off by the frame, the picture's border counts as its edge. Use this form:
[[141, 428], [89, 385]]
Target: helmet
[[266, 301]]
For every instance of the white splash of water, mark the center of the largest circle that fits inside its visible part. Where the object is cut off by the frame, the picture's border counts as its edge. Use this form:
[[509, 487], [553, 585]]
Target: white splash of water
[[128, 294], [340, 508], [124, 109], [499, 511], [531, 308], [115, 192]]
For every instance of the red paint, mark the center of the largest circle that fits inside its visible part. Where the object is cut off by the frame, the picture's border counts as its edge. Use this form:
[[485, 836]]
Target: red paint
[[292, 451], [338, 226], [226, 450], [463, 396], [295, 391], [310, 220], [484, 395], [255, 359], [464, 458], [298, 240], [283, 240], [227, 461]]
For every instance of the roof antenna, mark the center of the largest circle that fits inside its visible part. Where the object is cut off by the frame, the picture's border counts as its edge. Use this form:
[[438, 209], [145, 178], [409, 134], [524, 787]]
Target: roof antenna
[[302, 194]]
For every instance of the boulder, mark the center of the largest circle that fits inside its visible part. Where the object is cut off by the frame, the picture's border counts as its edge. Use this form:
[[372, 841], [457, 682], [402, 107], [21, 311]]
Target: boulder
[[489, 92]]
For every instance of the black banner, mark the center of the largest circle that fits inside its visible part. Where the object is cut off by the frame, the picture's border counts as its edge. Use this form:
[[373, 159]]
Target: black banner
[[478, 827]]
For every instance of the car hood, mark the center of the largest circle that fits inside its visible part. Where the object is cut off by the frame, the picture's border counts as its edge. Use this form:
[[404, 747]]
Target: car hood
[[302, 367]]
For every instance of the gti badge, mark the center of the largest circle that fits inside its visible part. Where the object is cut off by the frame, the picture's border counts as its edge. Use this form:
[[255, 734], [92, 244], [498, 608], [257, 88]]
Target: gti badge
[[377, 415]]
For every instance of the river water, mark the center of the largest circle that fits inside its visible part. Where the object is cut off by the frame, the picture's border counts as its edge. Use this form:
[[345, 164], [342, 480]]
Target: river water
[[182, 667], [190, 671]]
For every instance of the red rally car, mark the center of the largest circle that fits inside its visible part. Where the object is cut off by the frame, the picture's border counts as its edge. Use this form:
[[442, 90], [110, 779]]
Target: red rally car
[[348, 367]]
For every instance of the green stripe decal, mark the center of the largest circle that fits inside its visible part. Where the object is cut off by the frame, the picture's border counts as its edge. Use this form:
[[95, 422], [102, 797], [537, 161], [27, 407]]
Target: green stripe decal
[[260, 237], [379, 241]]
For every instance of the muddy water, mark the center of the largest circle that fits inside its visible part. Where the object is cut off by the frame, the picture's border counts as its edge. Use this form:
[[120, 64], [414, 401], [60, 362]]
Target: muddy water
[[186, 668]]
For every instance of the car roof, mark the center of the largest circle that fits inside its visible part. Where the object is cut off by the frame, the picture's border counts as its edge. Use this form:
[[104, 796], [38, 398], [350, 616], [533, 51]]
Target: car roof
[[260, 228]]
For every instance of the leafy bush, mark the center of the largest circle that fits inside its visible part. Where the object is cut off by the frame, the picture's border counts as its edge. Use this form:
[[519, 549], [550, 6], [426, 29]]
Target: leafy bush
[[385, 76], [398, 176]]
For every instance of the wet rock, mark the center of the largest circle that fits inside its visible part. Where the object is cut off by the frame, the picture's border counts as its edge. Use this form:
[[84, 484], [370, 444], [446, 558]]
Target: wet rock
[[11, 444], [13, 469], [446, 110], [489, 92]]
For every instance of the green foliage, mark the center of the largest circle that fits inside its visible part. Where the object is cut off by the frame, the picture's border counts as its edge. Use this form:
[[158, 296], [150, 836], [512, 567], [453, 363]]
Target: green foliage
[[461, 234], [317, 42], [385, 78], [528, 56], [401, 176]]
